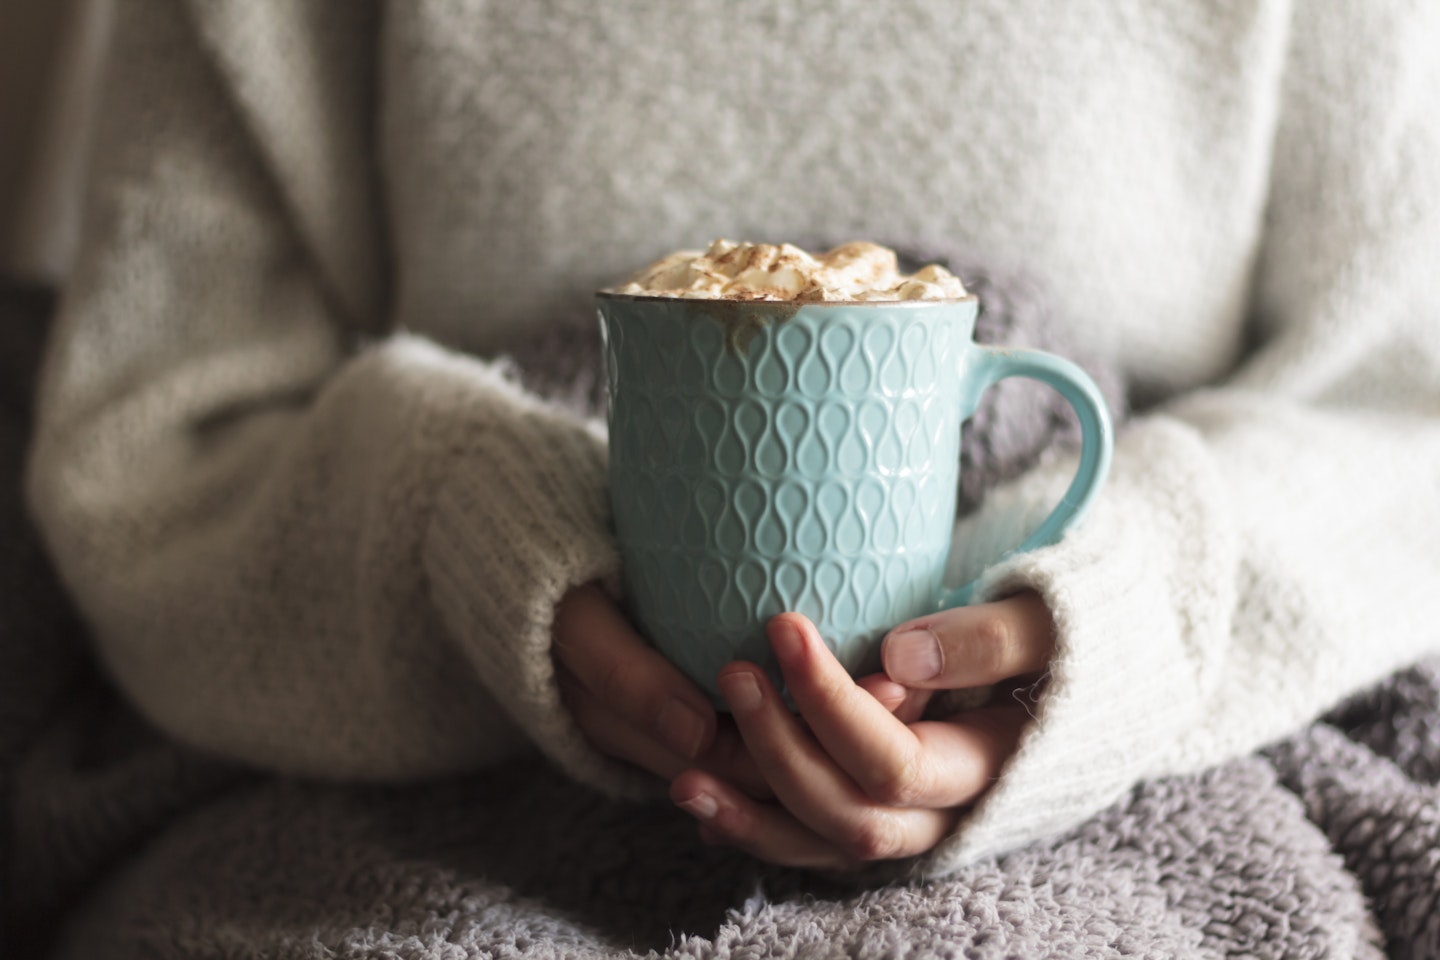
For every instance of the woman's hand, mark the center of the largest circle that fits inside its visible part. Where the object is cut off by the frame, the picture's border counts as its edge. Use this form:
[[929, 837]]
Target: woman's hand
[[857, 775], [633, 704]]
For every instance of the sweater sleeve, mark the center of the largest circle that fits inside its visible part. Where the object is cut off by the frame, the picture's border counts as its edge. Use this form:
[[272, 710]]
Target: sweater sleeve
[[310, 550], [1268, 545]]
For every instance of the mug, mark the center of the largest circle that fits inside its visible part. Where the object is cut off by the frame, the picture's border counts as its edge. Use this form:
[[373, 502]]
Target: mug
[[772, 456]]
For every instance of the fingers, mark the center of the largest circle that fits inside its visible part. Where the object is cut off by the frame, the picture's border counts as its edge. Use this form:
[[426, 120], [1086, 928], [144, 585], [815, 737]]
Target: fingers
[[811, 787], [614, 736], [971, 646], [774, 833], [765, 831], [770, 832], [616, 669], [867, 742], [931, 765], [971, 750], [729, 759], [905, 703], [857, 776], [822, 817]]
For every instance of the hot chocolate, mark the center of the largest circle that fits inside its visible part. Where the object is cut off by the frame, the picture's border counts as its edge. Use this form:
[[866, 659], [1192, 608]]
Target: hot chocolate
[[857, 271]]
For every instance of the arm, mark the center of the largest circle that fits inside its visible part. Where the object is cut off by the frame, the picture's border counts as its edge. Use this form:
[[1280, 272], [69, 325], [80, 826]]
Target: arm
[[1265, 546], [319, 558], [1269, 545]]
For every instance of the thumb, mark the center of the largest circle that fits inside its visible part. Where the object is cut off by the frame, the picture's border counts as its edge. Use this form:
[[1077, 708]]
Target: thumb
[[971, 646]]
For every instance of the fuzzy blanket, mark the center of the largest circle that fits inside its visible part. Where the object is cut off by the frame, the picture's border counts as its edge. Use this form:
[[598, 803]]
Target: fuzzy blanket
[[120, 843]]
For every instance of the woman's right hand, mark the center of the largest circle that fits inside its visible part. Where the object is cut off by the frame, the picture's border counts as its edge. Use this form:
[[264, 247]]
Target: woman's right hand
[[633, 704]]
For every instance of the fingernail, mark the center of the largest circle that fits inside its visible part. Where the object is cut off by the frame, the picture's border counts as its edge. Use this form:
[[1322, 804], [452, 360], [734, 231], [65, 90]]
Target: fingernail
[[681, 727], [702, 806], [741, 691], [912, 656], [786, 641]]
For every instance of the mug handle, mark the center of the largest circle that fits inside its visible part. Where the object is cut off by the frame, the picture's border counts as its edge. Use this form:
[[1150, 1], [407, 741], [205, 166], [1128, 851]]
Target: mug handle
[[986, 366]]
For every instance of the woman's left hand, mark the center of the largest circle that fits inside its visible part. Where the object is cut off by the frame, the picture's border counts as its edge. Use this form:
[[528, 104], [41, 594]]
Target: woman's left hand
[[858, 775]]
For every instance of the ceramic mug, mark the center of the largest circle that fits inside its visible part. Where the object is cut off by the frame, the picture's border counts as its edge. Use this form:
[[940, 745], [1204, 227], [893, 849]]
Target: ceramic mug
[[769, 457]]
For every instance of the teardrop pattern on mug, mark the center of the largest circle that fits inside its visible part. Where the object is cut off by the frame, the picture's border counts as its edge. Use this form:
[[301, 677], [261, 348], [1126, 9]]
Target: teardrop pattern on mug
[[819, 469]]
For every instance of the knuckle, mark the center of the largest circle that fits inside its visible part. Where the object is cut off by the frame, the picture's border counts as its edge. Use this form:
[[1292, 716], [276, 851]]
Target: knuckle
[[736, 826], [613, 681], [898, 784], [876, 837], [993, 644], [833, 687], [620, 686]]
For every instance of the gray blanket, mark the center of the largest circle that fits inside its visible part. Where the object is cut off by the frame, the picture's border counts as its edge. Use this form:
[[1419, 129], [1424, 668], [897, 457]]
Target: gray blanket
[[1326, 846], [121, 843]]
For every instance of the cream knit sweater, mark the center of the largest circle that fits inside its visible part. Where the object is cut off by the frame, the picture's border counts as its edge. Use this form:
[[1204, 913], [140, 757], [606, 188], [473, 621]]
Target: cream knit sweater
[[313, 530]]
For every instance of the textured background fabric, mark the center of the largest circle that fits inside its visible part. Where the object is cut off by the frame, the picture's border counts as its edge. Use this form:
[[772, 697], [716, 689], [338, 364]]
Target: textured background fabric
[[1325, 847]]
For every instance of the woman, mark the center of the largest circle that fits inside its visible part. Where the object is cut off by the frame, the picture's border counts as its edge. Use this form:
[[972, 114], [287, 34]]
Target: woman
[[314, 532]]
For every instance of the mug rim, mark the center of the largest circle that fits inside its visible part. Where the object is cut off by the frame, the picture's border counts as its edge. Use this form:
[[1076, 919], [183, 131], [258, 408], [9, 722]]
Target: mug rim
[[711, 303]]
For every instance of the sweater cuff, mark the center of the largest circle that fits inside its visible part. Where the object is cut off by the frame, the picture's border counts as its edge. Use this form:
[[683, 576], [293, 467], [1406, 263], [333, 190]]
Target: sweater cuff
[[521, 515], [1132, 655]]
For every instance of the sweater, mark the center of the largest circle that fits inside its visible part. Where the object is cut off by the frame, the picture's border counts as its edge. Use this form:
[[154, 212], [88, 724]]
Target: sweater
[[313, 527]]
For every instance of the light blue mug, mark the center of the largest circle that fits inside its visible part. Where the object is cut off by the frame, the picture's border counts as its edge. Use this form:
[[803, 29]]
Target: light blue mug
[[769, 457]]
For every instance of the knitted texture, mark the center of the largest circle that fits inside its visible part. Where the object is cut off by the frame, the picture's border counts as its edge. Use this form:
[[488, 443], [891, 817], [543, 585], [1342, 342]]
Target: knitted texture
[[314, 532], [370, 535]]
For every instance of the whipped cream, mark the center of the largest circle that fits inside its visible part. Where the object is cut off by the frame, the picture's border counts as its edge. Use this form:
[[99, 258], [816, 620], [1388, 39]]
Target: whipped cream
[[763, 271]]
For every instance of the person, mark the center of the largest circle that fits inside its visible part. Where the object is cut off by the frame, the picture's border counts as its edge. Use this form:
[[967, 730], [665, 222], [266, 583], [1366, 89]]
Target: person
[[315, 528]]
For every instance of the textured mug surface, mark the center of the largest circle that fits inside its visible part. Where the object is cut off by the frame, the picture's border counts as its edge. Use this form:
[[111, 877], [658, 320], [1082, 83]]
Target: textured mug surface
[[772, 457]]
